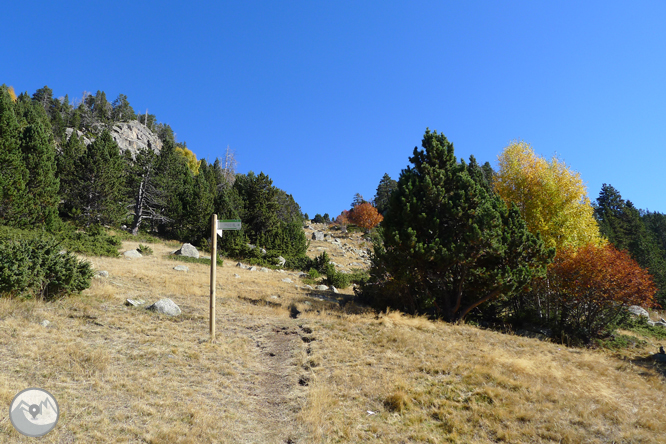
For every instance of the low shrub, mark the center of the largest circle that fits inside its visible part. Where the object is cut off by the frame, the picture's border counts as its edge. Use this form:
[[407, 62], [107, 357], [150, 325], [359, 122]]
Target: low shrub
[[145, 250], [335, 278], [40, 268]]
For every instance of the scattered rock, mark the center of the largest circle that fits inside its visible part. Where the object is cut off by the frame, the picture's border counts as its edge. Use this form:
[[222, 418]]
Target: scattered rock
[[287, 280], [243, 266], [188, 250], [132, 254], [264, 270], [252, 268], [275, 297], [45, 323], [181, 268], [166, 306], [236, 275], [308, 287], [318, 236], [101, 274], [134, 302], [321, 287], [335, 290], [639, 311]]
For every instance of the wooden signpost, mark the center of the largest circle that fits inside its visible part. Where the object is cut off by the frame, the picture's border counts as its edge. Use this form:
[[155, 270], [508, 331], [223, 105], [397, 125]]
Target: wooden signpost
[[217, 228]]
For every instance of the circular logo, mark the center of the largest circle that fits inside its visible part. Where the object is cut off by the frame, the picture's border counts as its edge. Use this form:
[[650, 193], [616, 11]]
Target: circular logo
[[34, 412]]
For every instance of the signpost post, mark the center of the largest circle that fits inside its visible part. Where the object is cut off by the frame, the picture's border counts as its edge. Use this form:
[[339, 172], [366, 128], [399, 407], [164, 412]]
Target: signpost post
[[217, 228]]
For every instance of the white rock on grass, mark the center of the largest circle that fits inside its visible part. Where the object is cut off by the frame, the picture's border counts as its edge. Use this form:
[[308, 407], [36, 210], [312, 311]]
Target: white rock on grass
[[166, 306], [321, 287], [132, 254], [287, 280], [181, 268], [188, 250], [134, 302], [44, 323], [101, 274], [639, 311]]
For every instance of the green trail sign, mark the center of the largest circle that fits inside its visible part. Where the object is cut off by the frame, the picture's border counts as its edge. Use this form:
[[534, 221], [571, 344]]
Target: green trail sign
[[228, 224]]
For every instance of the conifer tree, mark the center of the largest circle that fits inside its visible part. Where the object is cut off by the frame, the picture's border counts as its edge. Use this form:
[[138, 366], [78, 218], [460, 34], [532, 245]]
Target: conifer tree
[[42, 186], [99, 183], [449, 244], [13, 173], [384, 189], [67, 163]]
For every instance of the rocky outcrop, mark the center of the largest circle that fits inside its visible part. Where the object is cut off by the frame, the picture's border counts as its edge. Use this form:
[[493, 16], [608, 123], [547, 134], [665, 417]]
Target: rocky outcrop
[[130, 136]]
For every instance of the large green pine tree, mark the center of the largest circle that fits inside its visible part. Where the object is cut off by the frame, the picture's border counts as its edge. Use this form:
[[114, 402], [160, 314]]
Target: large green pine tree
[[99, 184], [39, 153], [449, 243], [67, 163], [13, 173]]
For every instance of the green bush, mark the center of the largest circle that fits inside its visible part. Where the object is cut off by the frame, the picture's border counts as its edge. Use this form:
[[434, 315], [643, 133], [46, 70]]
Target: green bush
[[335, 278], [313, 273], [145, 250], [39, 268]]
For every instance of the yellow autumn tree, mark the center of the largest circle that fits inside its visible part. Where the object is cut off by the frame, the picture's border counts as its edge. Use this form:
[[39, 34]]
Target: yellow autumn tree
[[551, 197], [12, 93], [191, 158]]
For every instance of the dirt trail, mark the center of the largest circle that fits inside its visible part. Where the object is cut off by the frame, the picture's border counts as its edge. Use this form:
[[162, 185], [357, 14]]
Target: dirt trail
[[276, 390]]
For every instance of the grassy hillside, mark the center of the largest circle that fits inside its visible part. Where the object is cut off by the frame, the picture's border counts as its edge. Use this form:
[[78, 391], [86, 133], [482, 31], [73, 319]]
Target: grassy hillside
[[336, 373]]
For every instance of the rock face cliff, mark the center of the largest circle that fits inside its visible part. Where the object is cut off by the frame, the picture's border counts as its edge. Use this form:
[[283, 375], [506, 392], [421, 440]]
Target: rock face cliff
[[130, 136]]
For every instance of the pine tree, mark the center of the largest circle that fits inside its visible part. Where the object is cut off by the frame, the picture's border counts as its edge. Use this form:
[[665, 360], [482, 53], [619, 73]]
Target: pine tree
[[448, 244], [67, 163], [99, 183], [38, 152], [13, 173], [384, 189]]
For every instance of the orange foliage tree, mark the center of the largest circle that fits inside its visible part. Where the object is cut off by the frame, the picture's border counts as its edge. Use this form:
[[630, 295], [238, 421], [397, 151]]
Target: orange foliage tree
[[365, 216], [591, 287], [343, 218]]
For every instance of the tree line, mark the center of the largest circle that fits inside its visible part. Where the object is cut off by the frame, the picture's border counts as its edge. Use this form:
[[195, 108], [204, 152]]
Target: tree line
[[522, 245], [48, 178]]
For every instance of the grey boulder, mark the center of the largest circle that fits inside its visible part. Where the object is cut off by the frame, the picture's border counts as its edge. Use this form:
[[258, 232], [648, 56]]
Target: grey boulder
[[639, 311], [188, 250], [132, 254], [165, 306]]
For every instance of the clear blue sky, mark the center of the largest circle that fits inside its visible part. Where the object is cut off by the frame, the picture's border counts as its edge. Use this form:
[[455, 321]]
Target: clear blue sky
[[327, 96]]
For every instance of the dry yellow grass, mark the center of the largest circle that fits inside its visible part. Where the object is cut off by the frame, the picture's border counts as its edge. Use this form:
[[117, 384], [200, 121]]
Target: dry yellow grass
[[122, 374]]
